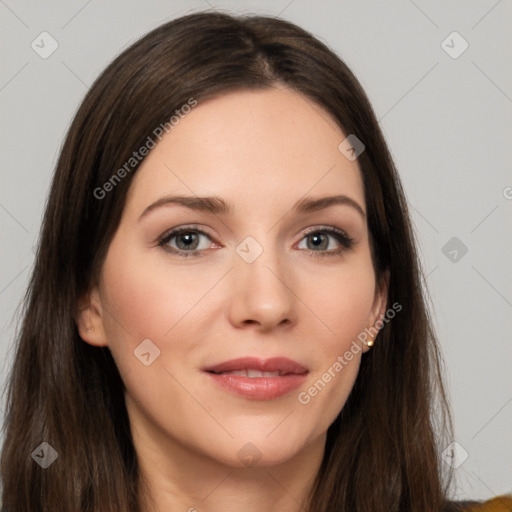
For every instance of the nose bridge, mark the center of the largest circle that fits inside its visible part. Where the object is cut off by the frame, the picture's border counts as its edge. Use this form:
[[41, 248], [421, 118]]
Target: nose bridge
[[262, 283]]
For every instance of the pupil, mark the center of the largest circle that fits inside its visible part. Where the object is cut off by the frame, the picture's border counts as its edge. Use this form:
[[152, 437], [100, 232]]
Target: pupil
[[188, 238], [317, 241]]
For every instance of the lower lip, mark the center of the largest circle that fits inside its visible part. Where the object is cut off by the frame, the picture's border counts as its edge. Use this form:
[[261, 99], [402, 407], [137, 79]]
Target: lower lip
[[259, 388]]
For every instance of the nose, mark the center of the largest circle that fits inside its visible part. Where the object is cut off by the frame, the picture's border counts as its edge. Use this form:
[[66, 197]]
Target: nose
[[262, 292]]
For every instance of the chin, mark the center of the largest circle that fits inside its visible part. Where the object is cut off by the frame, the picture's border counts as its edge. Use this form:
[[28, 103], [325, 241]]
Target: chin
[[258, 449]]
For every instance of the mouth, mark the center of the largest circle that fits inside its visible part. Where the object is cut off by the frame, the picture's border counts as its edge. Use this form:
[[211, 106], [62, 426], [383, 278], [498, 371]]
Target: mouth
[[258, 379], [251, 373]]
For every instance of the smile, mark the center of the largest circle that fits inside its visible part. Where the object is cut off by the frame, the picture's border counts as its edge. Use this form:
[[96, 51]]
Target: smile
[[258, 379]]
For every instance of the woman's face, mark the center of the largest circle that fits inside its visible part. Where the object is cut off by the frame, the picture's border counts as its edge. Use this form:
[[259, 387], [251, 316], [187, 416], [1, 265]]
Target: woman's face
[[262, 284]]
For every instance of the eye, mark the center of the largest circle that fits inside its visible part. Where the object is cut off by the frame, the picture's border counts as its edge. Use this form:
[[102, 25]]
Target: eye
[[191, 241], [185, 241], [318, 241]]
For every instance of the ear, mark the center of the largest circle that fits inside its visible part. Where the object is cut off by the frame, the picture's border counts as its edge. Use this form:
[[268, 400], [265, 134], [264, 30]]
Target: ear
[[89, 319], [378, 309]]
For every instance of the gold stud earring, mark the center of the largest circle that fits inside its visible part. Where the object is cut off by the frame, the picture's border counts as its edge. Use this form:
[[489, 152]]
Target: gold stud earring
[[370, 343]]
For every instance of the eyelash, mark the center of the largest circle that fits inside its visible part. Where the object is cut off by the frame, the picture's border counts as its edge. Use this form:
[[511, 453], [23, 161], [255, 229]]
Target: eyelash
[[345, 241]]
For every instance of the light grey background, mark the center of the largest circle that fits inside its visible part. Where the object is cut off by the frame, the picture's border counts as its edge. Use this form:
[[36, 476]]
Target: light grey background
[[447, 120]]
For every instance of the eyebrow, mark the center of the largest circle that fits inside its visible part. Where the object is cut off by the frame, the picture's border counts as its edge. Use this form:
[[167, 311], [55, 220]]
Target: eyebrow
[[217, 205]]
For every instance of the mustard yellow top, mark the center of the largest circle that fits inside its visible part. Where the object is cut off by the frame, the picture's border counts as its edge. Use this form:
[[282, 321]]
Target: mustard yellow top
[[498, 504]]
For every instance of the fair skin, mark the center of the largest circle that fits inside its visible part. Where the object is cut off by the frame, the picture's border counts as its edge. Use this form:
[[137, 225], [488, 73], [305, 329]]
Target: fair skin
[[261, 152]]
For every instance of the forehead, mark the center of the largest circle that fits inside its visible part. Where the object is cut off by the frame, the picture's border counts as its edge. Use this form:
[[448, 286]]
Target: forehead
[[273, 145]]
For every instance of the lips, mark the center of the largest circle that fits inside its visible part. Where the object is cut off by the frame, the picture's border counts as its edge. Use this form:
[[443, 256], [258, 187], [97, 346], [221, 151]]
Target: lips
[[258, 379], [251, 372], [253, 367]]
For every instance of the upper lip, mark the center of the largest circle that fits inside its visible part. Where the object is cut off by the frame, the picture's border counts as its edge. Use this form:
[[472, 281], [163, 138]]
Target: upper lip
[[283, 365]]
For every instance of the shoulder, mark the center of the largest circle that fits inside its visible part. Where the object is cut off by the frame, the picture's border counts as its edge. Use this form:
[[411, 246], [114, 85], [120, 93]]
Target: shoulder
[[499, 504]]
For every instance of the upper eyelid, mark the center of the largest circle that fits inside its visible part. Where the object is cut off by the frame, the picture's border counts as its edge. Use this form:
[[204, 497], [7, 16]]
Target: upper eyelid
[[321, 227], [168, 235], [185, 227]]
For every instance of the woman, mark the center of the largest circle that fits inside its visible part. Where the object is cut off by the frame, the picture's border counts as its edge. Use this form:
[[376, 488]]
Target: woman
[[226, 310]]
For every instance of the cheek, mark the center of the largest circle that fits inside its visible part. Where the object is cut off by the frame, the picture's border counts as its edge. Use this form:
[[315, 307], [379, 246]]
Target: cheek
[[343, 304], [144, 299]]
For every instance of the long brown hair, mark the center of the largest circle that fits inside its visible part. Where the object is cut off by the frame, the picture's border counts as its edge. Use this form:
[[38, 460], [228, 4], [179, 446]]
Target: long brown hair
[[382, 451]]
